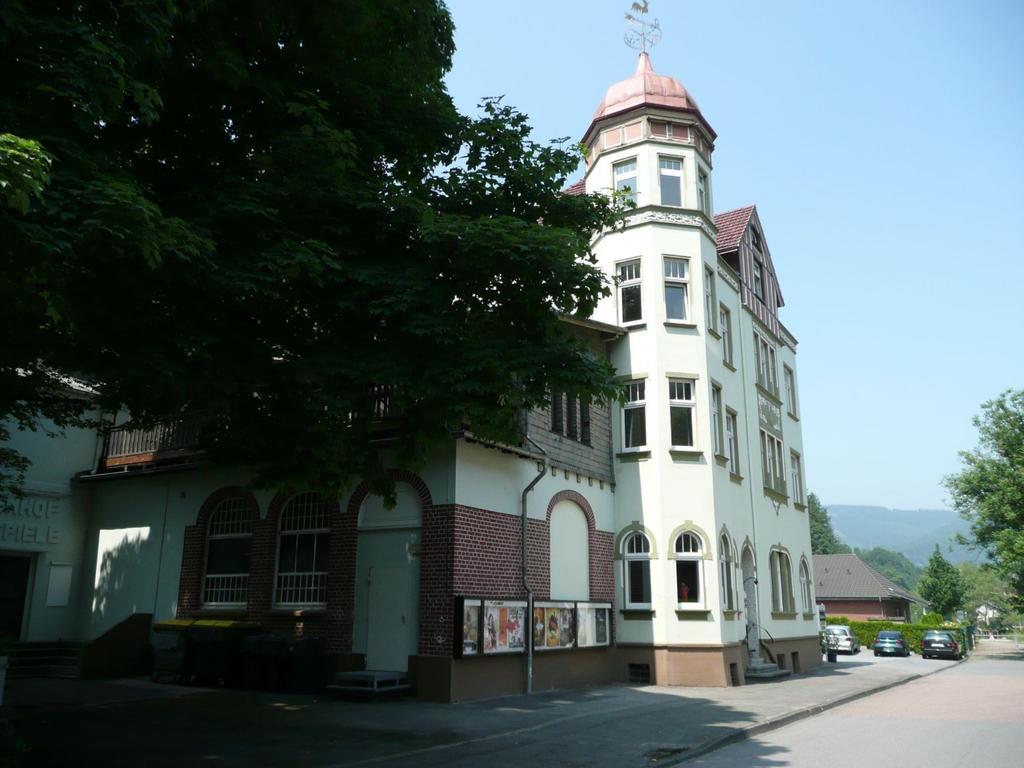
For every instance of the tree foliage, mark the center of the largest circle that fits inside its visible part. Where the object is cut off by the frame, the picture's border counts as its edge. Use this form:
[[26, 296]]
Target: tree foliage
[[258, 212], [893, 565], [989, 490], [823, 539], [941, 585]]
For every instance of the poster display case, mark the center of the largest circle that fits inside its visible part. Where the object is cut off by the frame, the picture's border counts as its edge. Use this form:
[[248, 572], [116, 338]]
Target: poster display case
[[504, 627], [488, 627], [593, 628], [554, 625]]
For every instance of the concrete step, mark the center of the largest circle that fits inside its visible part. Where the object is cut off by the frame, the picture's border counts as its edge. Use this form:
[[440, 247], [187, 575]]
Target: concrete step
[[370, 684], [42, 660], [765, 670]]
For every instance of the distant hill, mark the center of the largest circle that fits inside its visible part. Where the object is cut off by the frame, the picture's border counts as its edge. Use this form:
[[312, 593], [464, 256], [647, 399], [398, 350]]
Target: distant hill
[[914, 532]]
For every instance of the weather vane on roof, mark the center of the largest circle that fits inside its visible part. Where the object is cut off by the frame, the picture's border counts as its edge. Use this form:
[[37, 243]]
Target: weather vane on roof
[[642, 34]]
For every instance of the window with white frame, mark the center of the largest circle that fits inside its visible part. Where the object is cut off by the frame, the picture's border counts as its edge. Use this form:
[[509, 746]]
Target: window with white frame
[[670, 180], [717, 420], [663, 130], [710, 302], [758, 279], [226, 579], [764, 360], [689, 553], [681, 403], [773, 470], [782, 582], [625, 179], [726, 574], [732, 440], [302, 552], [703, 192], [677, 289], [806, 603], [630, 294], [725, 328], [789, 381], [634, 416], [636, 570], [796, 476]]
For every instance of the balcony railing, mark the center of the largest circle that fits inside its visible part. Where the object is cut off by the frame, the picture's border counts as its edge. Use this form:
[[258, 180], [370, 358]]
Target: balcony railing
[[127, 445]]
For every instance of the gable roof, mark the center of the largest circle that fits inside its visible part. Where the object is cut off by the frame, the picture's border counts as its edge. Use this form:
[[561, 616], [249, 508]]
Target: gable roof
[[731, 226], [576, 188], [847, 577]]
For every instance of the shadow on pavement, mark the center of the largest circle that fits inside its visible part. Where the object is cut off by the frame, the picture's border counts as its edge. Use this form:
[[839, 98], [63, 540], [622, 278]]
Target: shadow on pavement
[[616, 726]]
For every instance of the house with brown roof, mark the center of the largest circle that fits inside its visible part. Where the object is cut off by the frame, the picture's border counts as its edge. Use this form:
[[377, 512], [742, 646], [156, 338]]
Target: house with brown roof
[[847, 586]]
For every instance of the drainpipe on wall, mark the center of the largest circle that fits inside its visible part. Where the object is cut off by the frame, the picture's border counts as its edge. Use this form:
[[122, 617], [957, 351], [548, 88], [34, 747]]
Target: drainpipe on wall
[[542, 470]]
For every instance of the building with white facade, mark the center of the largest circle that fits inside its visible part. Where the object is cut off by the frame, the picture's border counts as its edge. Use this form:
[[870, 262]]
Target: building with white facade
[[711, 526], [666, 538]]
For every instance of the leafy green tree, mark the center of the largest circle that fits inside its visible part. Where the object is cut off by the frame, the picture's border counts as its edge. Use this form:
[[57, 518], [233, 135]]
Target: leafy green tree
[[983, 584], [892, 565], [823, 539], [941, 585], [989, 490], [257, 213]]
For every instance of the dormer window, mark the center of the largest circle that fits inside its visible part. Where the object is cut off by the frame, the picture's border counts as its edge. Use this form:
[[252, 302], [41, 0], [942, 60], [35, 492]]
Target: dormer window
[[625, 179], [758, 280], [670, 176]]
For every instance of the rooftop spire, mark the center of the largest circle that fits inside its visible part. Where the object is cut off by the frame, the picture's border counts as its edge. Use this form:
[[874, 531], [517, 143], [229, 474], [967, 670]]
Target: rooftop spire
[[642, 34]]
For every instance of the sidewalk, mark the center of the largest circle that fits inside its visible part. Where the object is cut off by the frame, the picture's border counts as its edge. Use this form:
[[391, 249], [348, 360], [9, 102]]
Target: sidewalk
[[142, 724]]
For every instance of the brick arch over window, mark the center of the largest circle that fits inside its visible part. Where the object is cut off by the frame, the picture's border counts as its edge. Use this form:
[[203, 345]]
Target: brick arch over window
[[193, 547], [601, 546], [399, 476], [577, 499]]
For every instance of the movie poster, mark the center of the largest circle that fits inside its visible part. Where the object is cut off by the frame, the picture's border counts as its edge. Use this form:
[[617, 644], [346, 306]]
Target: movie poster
[[592, 624], [504, 626], [471, 628], [554, 626]]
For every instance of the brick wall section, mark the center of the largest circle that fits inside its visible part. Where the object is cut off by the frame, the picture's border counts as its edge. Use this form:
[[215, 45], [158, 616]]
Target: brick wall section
[[193, 555], [335, 623], [436, 558], [463, 551]]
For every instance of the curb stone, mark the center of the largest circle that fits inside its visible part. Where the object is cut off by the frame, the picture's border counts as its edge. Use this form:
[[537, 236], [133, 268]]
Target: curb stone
[[774, 723]]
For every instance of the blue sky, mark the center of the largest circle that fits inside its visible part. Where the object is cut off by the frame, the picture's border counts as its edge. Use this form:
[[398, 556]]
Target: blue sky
[[882, 143]]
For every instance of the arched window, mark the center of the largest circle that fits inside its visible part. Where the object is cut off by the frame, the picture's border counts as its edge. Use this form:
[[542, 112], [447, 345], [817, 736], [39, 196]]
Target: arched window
[[302, 552], [782, 582], [636, 558], [689, 552], [807, 604], [726, 574], [226, 580]]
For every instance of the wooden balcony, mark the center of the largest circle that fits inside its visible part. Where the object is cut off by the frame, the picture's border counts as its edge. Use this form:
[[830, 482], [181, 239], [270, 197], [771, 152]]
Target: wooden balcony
[[172, 442]]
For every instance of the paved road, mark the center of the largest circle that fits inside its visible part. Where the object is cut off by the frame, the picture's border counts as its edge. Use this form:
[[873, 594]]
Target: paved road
[[969, 715], [137, 724]]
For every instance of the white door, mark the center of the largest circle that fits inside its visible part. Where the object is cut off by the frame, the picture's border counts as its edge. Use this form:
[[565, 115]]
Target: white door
[[389, 618]]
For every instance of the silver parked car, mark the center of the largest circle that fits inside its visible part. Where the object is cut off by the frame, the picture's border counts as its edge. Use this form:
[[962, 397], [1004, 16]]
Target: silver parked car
[[840, 637]]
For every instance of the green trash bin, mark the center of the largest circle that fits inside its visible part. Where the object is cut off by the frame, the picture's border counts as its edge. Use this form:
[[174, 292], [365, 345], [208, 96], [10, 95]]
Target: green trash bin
[[170, 646], [215, 647]]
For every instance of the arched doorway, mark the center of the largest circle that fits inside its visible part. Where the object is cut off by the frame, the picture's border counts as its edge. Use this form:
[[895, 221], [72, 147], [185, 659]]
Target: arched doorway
[[749, 569]]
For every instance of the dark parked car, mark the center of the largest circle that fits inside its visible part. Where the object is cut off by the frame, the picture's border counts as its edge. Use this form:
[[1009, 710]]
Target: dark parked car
[[938, 642], [890, 643]]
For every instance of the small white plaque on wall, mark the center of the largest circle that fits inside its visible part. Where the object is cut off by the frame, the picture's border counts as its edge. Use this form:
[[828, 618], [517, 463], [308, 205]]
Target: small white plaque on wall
[[58, 591]]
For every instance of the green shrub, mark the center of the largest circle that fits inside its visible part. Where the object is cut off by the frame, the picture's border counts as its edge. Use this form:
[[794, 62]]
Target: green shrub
[[933, 620]]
